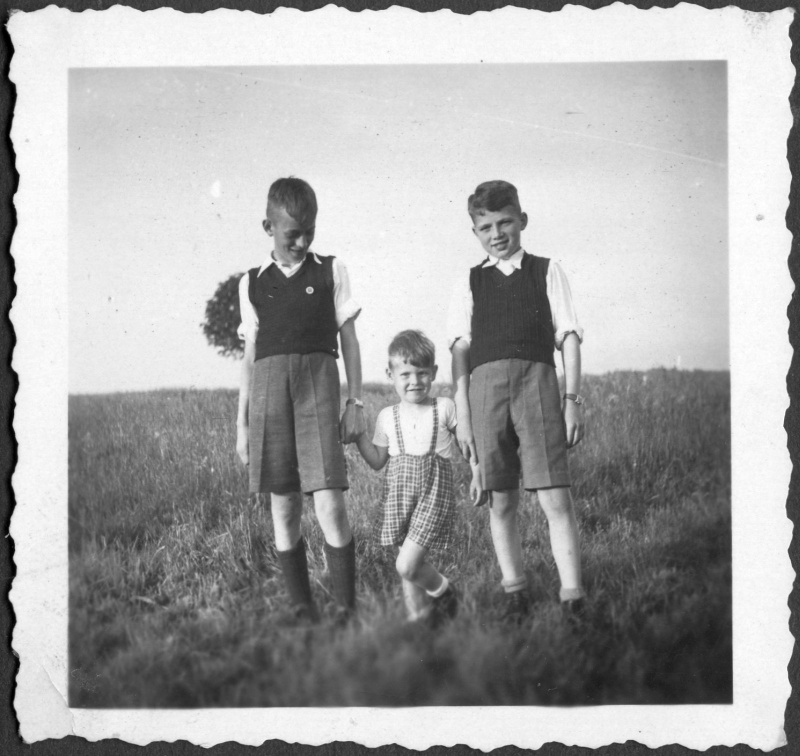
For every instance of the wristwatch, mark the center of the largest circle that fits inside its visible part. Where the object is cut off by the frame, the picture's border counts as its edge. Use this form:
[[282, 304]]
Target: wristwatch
[[357, 402], [577, 398]]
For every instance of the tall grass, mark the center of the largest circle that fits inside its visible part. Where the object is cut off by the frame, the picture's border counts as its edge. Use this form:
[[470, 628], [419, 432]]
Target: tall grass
[[176, 598]]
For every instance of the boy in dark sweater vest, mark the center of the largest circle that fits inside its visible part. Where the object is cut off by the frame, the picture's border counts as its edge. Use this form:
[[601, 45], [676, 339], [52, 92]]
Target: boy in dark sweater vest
[[505, 321], [288, 429]]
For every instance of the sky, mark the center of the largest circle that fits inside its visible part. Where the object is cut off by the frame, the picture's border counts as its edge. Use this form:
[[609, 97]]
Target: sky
[[621, 167]]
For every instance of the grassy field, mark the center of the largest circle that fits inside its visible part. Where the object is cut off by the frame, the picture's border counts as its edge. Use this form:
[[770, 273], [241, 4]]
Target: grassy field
[[176, 599]]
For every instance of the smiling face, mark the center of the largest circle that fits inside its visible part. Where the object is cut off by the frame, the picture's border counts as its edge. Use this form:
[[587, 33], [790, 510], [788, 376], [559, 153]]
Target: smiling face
[[412, 384], [499, 231], [292, 238]]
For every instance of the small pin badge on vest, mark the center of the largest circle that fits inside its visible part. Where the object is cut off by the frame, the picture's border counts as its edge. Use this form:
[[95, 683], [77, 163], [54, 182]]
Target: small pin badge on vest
[[309, 289]]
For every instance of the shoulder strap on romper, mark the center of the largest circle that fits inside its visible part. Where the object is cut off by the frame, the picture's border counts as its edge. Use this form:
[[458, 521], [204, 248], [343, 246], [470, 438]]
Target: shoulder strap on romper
[[397, 429], [435, 436]]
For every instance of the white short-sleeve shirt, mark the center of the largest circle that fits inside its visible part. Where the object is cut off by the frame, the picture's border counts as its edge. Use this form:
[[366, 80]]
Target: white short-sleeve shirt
[[417, 429]]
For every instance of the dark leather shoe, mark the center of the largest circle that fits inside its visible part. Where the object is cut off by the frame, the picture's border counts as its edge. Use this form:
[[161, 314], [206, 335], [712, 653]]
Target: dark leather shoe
[[517, 605], [444, 607], [574, 609], [306, 614]]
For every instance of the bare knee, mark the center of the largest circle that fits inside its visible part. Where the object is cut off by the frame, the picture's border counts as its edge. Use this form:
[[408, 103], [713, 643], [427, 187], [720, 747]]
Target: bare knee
[[556, 503], [332, 516], [504, 504], [287, 511], [329, 504], [407, 566]]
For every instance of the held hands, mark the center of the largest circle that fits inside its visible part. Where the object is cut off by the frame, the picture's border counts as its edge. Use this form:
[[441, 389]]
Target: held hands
[[352, 424], [573, 422], [242, 447]]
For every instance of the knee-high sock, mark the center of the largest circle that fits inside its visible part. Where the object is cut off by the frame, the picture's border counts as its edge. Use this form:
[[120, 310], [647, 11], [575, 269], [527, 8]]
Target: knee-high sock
[[342, 564], [295, 574]]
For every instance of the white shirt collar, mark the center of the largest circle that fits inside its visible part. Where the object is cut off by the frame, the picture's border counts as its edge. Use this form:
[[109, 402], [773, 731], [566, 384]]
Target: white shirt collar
[[287, 269], [515, 261]]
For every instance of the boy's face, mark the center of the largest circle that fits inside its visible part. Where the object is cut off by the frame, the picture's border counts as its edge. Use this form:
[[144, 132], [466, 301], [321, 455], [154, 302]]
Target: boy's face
[[499, 231], [412, 384], [292, 238]]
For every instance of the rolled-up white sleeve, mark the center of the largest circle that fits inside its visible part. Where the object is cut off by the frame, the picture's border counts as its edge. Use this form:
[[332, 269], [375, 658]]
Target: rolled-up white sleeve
[[565, 320], [248, 328], [459, 314], [346, 306]]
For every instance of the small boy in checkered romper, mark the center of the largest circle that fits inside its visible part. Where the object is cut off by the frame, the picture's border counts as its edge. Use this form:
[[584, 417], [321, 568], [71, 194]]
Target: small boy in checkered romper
[[416, 438]]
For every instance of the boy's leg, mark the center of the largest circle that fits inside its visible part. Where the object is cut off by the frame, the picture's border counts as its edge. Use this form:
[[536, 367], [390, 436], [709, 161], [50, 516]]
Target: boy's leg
[[412, 567], [332, 516], [340, 548], [508, 548], [287, 509], [506, 538], [416, 599], [564, 539], [492, 390]]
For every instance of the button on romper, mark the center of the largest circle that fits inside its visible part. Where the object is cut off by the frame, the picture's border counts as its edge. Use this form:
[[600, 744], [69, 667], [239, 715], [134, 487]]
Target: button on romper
[[418, 500]]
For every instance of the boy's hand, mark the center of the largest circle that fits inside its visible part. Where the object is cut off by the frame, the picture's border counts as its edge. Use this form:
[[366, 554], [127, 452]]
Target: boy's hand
[[242, 446], [573, 422], [352, 424], [477, 495], [466, 439]]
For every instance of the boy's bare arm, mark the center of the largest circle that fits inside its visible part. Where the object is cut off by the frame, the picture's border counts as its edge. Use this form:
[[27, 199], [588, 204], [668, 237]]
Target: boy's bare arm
[[375, 456], [573, 413], [352, 422], [460, 367], [243, 417]]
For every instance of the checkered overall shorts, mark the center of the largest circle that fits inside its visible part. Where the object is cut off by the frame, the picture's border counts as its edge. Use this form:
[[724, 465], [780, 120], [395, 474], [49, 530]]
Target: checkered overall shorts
[[418, 499]]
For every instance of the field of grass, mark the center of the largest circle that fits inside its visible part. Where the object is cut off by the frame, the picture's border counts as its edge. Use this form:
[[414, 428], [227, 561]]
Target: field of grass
[[176, 599]]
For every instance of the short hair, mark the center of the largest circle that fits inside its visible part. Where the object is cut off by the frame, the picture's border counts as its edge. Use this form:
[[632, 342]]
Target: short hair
[[295, 196], [414, 347], [491, 196]]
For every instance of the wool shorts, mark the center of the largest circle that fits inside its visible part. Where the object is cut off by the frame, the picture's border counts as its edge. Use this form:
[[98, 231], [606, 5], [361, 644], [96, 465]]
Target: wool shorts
[[294, 425], [518, 425]]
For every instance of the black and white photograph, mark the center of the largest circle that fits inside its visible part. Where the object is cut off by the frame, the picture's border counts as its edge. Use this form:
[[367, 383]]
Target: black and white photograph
[[385, 380]]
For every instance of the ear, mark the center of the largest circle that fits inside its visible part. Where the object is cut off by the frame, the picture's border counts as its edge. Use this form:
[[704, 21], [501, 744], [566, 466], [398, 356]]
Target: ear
[[389, 374], [267, 224], [475, 231], [523, 221], [433, 373]]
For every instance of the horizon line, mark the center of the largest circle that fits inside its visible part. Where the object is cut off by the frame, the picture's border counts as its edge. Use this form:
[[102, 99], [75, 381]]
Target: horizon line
[[387, 384]]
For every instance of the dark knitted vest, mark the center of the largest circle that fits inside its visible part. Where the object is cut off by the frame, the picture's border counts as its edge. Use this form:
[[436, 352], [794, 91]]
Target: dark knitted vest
[[511, 314], [296, 315]]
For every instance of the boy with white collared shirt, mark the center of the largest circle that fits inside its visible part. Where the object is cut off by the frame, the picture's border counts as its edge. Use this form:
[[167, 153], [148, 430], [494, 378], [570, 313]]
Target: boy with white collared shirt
[[294, 309], [506, 319]]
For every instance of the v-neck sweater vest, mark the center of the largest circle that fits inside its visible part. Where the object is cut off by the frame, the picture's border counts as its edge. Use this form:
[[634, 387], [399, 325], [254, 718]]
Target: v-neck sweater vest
[[511, 316], [296, 315]]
